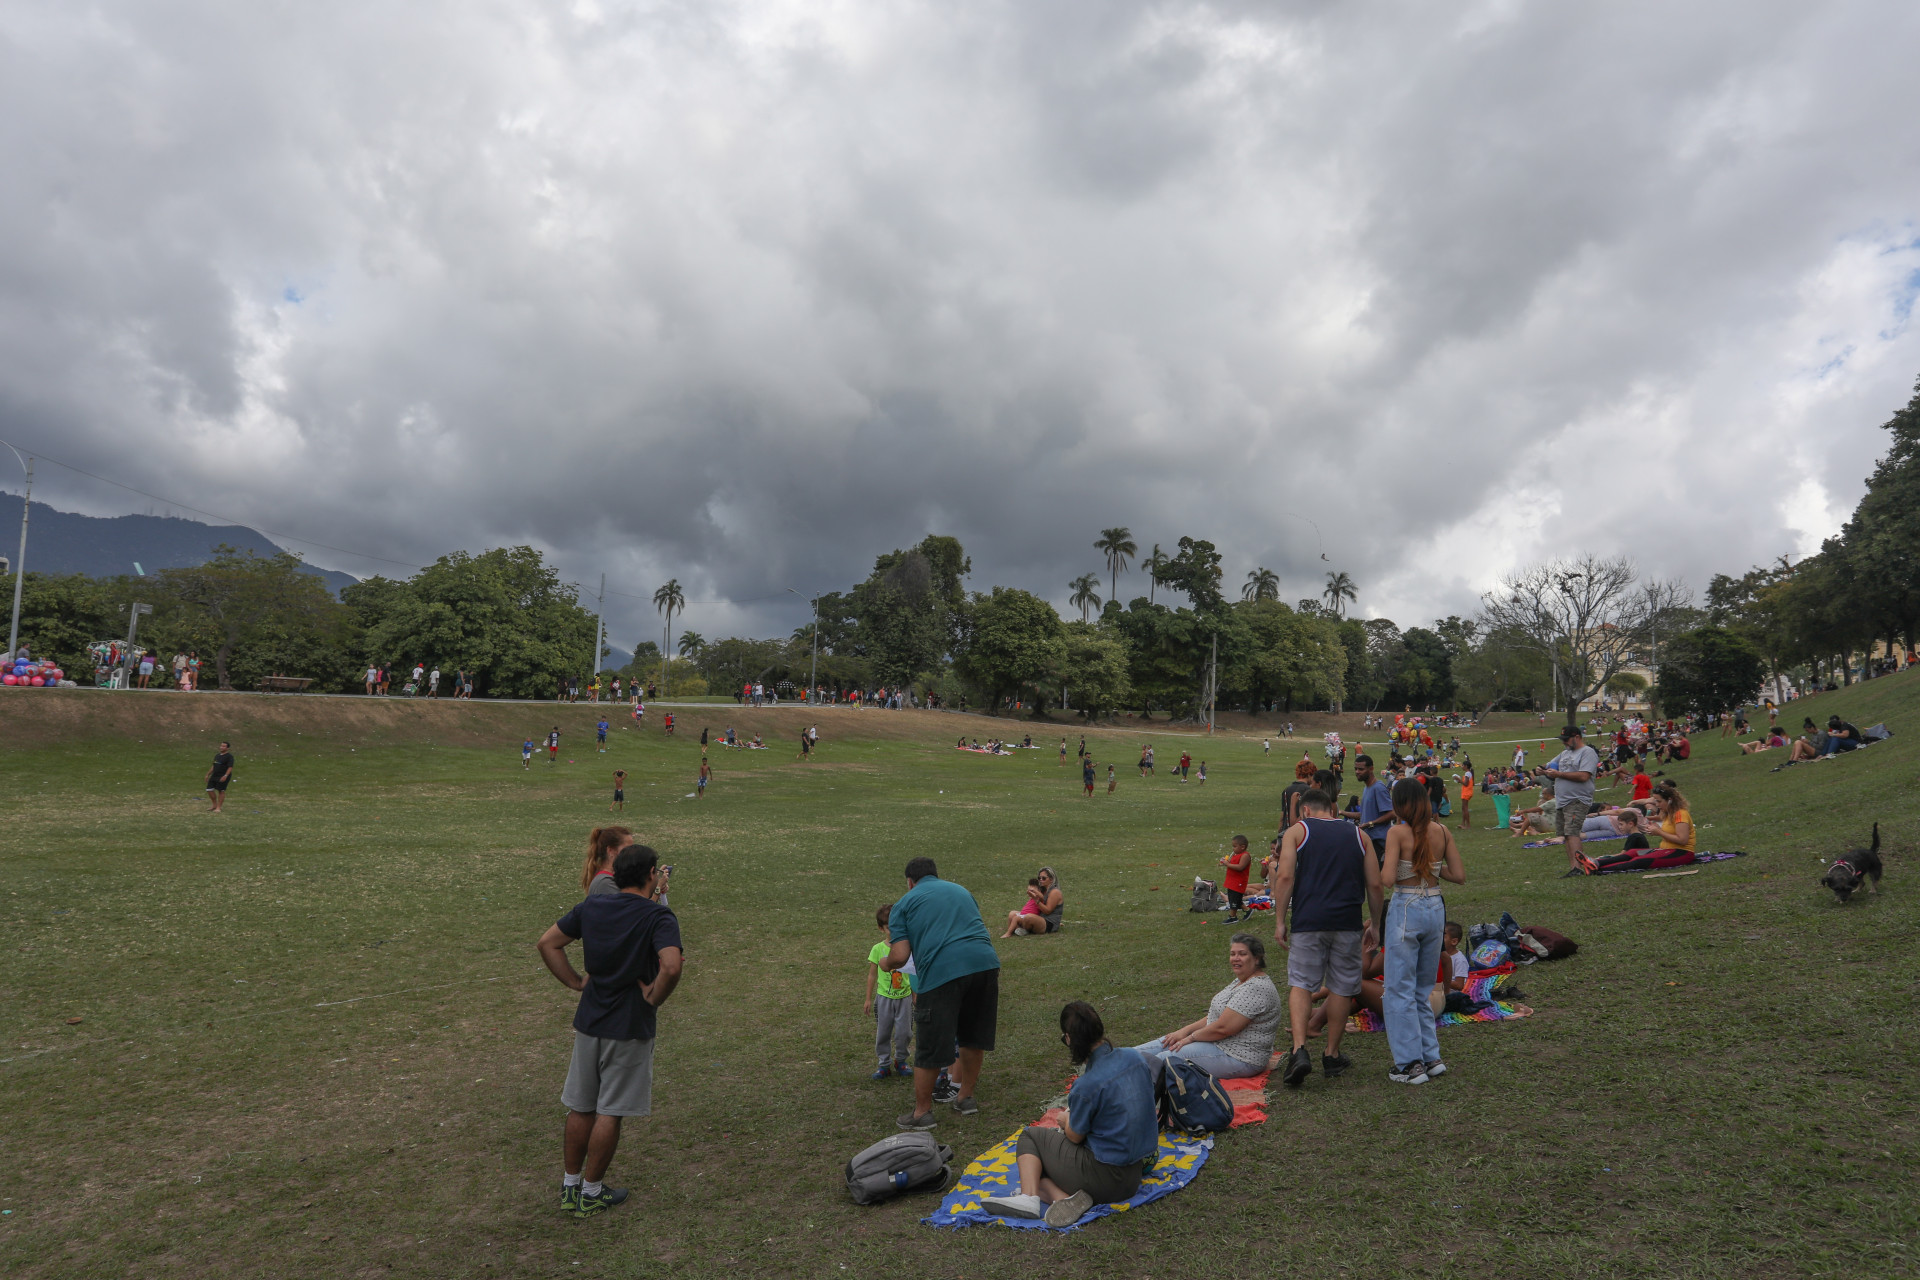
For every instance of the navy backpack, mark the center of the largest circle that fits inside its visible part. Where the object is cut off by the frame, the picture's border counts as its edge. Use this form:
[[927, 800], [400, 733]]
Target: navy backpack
[[1191, 1101]]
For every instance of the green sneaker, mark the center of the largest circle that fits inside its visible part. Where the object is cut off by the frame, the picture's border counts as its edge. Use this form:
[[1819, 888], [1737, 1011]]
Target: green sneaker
[[569, 1198], [608, 1198]]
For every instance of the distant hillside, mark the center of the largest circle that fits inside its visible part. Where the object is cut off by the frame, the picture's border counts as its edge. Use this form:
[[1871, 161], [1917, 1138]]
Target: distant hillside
[[105, 546]]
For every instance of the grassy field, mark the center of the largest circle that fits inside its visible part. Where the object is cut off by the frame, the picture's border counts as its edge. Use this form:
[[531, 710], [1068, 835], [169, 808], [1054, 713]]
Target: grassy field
[[310, 1037]]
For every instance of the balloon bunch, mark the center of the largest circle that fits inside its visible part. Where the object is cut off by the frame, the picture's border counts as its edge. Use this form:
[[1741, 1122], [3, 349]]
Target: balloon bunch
[[34, 674]]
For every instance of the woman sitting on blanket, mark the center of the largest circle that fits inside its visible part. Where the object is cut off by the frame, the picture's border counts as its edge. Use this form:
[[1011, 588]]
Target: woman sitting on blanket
[[1109, 1140], [1042, 915], [1676, 834], [1235, 1039]]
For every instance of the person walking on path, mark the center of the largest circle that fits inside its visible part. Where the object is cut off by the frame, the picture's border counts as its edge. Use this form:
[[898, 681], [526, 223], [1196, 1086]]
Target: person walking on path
[[937, 925], [1325, 870], [219, 776], [631, 948], [1421, 853], [1572, 773]]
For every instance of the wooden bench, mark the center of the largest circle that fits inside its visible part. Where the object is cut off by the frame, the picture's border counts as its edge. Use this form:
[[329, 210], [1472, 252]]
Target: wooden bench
[[284, 684]]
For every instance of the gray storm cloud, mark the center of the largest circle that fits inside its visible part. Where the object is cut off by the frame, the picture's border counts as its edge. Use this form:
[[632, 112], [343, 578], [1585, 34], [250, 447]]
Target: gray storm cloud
[[745, 294]]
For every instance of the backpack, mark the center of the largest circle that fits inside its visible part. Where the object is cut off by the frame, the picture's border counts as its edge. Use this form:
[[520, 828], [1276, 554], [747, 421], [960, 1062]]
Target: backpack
[[893, 1166], [1557, 945], [1207, 896], [1191, 1101]]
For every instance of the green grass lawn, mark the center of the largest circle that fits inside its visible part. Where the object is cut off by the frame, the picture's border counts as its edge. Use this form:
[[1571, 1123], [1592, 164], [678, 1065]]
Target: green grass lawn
[[313, 1037]]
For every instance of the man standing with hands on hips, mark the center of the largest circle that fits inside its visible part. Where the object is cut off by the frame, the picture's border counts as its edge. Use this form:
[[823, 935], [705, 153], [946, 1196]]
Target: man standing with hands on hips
[[631, 947], [1572, 773]]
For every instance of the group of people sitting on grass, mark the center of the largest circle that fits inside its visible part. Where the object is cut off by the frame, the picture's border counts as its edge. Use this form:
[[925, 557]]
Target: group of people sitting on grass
[[994, 747], [1042, 910]]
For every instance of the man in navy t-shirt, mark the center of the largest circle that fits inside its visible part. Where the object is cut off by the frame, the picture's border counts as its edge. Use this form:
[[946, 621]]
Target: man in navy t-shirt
[[631, 947]]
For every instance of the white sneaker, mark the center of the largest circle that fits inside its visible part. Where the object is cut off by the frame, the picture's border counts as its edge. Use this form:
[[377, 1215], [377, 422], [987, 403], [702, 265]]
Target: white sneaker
[[1064, 1213], [1412, 1073], [1013, 1206], [1436, 1069], [1019, 931]]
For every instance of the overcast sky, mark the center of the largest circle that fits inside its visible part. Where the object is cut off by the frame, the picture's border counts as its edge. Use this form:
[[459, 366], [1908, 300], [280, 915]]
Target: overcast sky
[[748, 293]]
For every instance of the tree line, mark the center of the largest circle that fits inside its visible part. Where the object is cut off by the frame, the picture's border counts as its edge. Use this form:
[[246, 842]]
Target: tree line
[[1549, 635]]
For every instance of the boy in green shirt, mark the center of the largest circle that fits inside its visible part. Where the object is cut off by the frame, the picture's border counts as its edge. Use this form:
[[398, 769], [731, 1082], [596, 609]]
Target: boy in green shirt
[[894, 1023]]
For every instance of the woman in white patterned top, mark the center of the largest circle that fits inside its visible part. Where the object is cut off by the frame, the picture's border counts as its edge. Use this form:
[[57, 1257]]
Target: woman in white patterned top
[[1236, 1037]]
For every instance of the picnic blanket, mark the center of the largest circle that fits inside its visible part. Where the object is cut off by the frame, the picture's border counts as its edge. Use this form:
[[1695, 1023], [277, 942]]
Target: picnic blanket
[[1178, 1162], [1658, 864], [1482, 986]]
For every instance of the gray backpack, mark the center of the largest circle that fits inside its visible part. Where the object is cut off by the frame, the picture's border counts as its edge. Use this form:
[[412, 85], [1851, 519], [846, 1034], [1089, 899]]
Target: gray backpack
[[893, 1166], [1207, 896]]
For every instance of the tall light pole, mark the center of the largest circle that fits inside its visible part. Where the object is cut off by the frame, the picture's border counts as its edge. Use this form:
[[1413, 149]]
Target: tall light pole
[[20, 568], [813, 674]]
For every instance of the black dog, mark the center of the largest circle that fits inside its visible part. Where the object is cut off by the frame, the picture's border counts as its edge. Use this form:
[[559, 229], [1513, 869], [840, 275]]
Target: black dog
[[1849, 873]]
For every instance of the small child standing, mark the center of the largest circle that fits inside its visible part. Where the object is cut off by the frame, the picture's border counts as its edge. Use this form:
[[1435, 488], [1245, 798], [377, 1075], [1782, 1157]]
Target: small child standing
[[1237, 862], [526, 754], [1203, 773], [1112, 782], [893, 1028], [601, 730], [706, 776], [619, 790]]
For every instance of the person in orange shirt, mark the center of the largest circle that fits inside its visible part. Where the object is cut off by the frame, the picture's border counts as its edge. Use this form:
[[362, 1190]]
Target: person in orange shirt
[[1466, 795]]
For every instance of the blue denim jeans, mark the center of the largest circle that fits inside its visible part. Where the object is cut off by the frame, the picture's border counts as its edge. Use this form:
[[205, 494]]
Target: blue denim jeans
[[1415, 926], [1211, 1059]]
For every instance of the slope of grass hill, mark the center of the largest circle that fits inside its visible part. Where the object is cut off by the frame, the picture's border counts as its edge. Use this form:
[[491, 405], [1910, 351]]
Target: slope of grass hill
[[311, 1036]]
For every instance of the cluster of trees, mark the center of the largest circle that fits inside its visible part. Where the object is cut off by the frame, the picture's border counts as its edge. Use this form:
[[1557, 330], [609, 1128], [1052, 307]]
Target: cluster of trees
[[1820, 621], [504, 616], [1552, 634]]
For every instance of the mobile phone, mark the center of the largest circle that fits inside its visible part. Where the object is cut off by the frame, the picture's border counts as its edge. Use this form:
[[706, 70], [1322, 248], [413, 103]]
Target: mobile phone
[[667, 870]]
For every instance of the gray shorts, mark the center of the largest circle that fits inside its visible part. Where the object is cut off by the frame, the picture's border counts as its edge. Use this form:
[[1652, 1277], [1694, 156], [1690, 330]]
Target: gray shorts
[[1568, 817], [611, 1077], [1325, 959]]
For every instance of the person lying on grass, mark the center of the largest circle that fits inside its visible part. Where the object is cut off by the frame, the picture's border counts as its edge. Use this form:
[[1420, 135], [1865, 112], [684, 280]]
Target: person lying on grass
[[1102, 1150], [1043, 915], [1610, 825], [1236, 1037], [1774, 738]]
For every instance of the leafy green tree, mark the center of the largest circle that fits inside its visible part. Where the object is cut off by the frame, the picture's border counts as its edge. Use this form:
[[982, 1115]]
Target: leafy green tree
[[241, 598], [691, 643], [61, 614], [908, 609], [1195, 572], [729, 664], [1011, 645], [1364, 685], [668, 599], [1093, 669], [503, 615], [1709, 670], [1291, 658]]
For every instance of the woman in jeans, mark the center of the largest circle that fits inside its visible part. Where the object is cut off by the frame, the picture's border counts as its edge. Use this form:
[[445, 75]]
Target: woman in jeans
[[1421, 853], [1236, 1037]]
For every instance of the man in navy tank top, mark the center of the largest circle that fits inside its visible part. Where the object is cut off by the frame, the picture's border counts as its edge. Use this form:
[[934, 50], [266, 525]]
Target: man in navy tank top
[[1326, 870]]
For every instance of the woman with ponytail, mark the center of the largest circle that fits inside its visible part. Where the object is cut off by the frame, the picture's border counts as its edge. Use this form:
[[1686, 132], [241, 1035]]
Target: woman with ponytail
[[597, 876], [1420, 854]]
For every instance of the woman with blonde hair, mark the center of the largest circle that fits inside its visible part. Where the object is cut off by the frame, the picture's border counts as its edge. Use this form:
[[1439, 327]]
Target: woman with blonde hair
[[1421, 853]]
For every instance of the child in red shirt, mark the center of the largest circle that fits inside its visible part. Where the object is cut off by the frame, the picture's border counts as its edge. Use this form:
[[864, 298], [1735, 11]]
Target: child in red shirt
[[1237, 863]]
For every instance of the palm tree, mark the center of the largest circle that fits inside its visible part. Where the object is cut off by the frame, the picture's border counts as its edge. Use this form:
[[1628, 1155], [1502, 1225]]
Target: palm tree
[[1118, 547], [1155, 564], [691, 642], [1086, 593], [1338, 591], [669, 600], [1262, 584]]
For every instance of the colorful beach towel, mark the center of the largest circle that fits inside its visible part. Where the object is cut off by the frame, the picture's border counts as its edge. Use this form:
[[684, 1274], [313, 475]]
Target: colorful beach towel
[[993, 1172], [1482, 988]]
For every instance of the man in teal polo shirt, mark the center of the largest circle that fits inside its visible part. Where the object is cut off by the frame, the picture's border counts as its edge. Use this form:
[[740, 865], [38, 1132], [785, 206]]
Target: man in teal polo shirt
[[956, 985]]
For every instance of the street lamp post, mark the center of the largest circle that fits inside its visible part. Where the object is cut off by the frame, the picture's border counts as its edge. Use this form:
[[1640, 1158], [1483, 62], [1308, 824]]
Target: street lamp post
[[20, 568], [813, 673]]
